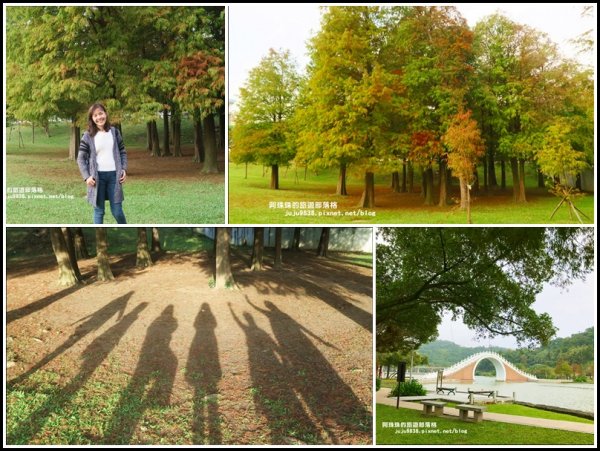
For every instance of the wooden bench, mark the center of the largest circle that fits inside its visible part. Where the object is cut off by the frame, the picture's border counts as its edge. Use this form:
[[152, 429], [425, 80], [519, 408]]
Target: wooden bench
[[463, 412], [442, 390], [489, 393], [429, 405]]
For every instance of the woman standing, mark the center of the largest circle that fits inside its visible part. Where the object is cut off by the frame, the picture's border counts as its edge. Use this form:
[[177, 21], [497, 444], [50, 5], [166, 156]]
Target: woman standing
[[102, 160]]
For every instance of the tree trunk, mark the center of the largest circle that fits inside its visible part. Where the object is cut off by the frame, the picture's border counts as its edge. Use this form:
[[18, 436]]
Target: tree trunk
[[502, 174], [443, 184], [368, 197], [468, 205], [223, 275], [155, 140], [221, 135], [74, 141], [104, 271], [341, 185], [411, 178], [166, 141], [403, 176], [274, 176], [143, 254], [475, 185], [257, 249], [176, 121], [80, 246], [540, 177], [485, 174], [463, 193], [70, 242], [491, 164], [514, 168], [210, 145], [278, 258], [155, 240], [149, 136], [296, 239], [429, 187], [395, 182], [522, 197], [323, 243], [198, 140], [68, 272]]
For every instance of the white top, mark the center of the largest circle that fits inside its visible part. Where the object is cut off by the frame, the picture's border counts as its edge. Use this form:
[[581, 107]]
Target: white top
[[104, 143]]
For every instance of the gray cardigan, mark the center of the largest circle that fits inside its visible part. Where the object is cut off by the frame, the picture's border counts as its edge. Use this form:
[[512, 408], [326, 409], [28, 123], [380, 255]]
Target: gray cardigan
[[86, 160]]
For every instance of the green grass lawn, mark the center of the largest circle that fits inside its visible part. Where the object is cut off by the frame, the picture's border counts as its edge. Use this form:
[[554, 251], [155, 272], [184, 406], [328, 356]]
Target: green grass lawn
[[25, 243], [45, 187], [455, 432], [526, 411], [82, 417], [251, 201]]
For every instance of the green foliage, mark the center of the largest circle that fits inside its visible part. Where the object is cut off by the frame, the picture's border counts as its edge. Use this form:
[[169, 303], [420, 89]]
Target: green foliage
[[377, 384], [578, 349], [487, 276], [410, 388], [445, 353], [558, 158], [61, 59], [267, 101]]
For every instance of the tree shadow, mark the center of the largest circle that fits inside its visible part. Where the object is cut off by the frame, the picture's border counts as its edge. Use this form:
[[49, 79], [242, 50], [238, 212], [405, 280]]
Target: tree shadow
[[274, 396], [156, 368], [40, 304], [88, 325], [326, 395], [320, 278], [203, 372], [93, 356]]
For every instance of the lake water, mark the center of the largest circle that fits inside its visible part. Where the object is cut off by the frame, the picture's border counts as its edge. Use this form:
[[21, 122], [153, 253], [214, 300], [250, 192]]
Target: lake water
[[569, 396]]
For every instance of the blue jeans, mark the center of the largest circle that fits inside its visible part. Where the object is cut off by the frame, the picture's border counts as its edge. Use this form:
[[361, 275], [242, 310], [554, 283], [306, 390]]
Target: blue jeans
[[106, 190]]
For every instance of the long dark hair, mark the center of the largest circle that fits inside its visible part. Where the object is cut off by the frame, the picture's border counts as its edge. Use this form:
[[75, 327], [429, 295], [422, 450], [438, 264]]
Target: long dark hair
[[92, 127]]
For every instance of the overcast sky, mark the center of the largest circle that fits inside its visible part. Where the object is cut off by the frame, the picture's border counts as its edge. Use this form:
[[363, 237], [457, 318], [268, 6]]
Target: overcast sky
[[572, 310], [254, 28]]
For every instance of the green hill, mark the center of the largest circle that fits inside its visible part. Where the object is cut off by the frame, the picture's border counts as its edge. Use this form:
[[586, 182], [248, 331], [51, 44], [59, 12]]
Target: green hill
[[562, 357]]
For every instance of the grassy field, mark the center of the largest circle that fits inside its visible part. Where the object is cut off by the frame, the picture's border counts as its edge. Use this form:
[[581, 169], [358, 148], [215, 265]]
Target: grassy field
[[45, 187], [251, 201], [456, 432], [22, 243]]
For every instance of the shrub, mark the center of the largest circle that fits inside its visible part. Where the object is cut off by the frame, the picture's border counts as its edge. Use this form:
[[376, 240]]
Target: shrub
[[580, 379], [377, 384], [410, 388]]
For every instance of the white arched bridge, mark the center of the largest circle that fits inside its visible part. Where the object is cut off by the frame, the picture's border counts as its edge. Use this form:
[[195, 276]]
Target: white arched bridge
[[465, 369]]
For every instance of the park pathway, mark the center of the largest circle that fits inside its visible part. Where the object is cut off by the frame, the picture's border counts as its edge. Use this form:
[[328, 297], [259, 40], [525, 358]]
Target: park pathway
[[382, 398]]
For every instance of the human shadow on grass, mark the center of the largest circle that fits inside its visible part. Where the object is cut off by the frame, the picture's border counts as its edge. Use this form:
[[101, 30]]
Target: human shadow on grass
[[93, 356], [203, 372], [155, 369], [273, 393], [329, 399], [87, 325]]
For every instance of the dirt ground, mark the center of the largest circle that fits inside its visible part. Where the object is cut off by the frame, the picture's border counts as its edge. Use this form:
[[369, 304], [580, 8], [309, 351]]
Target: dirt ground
[[142, 166], [284, 359]]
